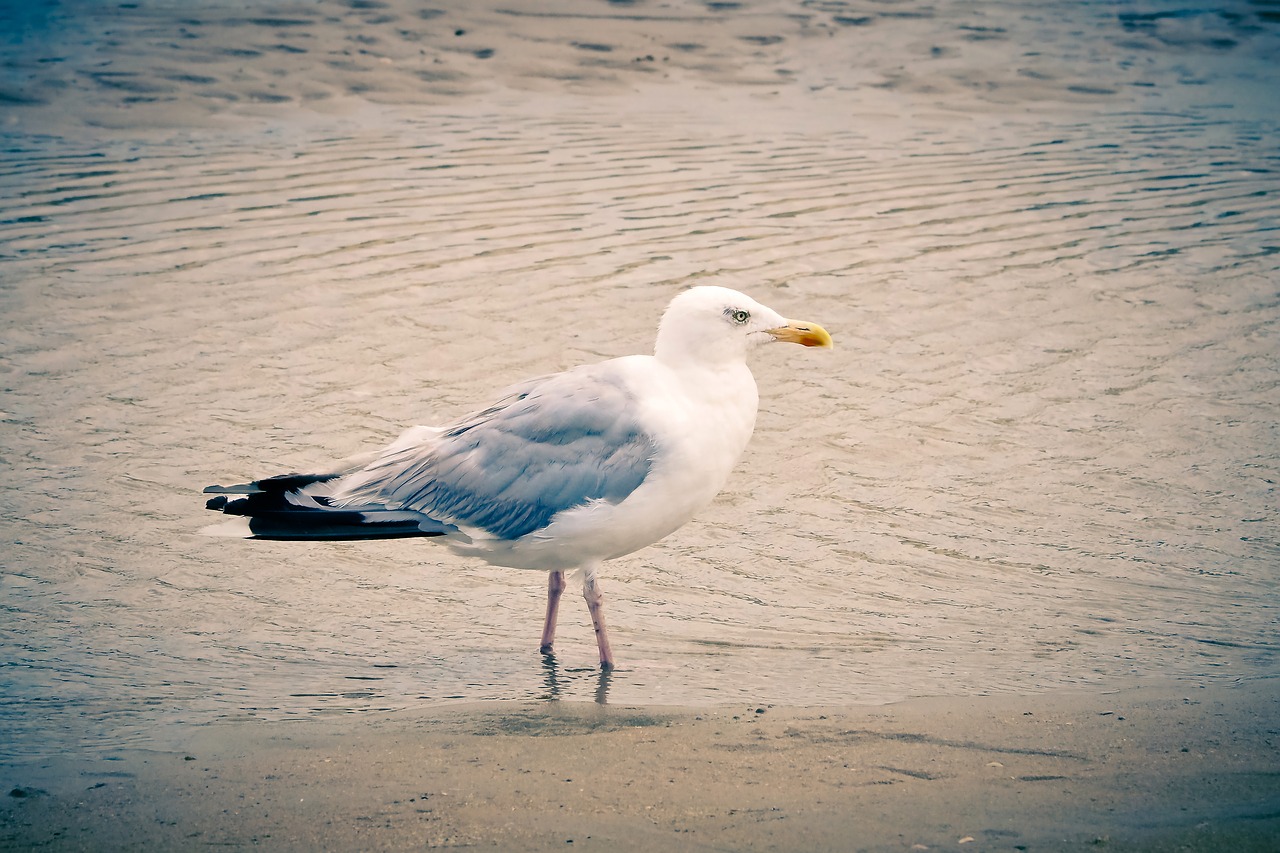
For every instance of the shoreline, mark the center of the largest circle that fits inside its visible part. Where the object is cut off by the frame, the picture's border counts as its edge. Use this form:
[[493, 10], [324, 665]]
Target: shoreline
[[1146, 768]]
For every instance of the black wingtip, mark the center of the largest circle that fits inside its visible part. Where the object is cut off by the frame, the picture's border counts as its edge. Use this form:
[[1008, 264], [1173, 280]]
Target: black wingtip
[[273, 515], [241, 489], [274, 485]]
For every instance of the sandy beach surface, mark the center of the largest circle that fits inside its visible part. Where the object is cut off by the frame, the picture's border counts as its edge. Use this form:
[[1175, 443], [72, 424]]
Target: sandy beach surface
[[1141, 769], [1000, 572]]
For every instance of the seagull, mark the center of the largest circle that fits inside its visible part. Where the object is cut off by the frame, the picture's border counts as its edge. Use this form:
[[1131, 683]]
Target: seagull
[[563, 471]]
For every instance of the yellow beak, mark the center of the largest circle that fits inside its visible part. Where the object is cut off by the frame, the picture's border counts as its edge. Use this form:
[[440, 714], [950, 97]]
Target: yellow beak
[[800, 332]]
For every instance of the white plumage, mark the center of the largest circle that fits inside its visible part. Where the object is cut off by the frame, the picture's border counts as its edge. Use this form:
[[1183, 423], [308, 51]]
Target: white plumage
[[563, 471]]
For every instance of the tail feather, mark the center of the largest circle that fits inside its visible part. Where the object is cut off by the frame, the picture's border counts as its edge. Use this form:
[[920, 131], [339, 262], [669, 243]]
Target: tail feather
[[284, 508]]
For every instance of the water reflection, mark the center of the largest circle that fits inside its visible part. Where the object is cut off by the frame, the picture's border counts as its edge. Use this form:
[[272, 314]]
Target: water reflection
[[555, 686]]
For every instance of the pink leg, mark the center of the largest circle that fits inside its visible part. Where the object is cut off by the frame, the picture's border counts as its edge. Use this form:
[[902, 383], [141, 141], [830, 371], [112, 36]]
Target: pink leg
[[555, 586], [595, 603]]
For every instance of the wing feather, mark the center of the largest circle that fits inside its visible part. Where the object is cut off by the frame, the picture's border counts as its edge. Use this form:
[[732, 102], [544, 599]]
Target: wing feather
[[546, 446]]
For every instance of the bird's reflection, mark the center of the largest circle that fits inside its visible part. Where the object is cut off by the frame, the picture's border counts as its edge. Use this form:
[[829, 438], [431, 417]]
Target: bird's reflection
[[602, 686], [551, 676], [555, 683]]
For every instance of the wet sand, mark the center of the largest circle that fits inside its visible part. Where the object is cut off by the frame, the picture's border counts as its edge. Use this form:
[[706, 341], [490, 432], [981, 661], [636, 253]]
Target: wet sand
[[1042, 456], [132, 69], [1160, 768]]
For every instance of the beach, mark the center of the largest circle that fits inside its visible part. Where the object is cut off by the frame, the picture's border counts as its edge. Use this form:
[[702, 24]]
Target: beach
[[1149, 769], [999, 572]]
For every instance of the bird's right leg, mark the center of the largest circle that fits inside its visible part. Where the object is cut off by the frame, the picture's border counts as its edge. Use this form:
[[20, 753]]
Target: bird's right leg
[[555, 586]]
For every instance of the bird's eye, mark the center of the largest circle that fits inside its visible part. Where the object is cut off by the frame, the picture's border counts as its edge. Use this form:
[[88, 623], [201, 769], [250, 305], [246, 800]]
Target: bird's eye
[[739, 316]]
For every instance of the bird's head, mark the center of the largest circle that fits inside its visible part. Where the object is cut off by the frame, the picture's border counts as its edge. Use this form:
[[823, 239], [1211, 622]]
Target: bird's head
[[719, 324]]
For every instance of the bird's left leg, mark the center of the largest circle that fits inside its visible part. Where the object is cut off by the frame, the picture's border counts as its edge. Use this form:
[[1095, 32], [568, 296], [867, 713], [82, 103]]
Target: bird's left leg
[[595, 603], [555, 586]]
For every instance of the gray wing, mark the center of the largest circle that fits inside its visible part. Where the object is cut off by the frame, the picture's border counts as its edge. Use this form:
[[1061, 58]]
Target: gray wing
[[548, 445]]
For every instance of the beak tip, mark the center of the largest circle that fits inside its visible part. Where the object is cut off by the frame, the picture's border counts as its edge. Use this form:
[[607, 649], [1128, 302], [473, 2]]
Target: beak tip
[[819, 337], [805, 334]]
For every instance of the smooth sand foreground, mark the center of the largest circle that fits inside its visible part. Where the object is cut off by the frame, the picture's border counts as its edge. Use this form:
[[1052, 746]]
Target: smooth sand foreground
[[1169, 768]]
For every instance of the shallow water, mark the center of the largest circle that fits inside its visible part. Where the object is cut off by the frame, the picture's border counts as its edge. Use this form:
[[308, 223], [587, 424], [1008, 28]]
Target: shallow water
[[1044, 452]]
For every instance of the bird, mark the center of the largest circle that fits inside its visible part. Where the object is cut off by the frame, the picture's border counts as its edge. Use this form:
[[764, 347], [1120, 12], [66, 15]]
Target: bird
[[562, 472]]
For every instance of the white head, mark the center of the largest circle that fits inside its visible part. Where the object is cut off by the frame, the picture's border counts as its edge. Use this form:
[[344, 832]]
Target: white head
[[716, 324]]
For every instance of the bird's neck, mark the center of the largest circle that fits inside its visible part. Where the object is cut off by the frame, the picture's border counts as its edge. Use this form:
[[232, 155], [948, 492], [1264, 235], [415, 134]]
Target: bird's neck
[[700, 353]]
